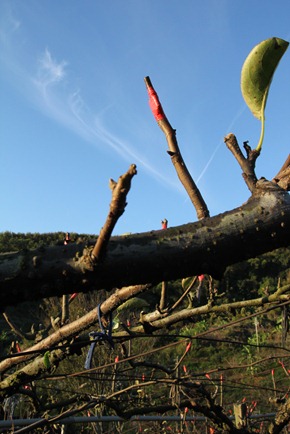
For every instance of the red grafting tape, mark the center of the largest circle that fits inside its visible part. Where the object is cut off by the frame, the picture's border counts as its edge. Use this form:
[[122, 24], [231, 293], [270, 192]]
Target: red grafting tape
[[155, 104]]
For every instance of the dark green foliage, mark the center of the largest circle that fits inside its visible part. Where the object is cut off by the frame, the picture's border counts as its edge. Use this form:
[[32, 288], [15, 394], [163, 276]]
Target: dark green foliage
[[12, 242], [258, 276]]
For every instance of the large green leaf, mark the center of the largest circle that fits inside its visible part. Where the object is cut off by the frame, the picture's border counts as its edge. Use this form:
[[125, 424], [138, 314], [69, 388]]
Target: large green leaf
[[133, 304], [257, 74]]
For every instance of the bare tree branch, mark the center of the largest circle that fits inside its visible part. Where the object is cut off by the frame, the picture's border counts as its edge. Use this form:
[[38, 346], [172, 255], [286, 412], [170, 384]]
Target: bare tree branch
[[76, 327], [38, 367], [247, 164], [118, 203], [204, 247], [175, 154]]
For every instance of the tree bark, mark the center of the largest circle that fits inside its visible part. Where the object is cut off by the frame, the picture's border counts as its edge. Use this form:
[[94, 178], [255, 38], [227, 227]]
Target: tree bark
[[204, 247]]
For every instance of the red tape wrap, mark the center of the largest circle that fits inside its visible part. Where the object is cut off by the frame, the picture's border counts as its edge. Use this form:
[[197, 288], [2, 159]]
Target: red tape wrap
[[155, 105]]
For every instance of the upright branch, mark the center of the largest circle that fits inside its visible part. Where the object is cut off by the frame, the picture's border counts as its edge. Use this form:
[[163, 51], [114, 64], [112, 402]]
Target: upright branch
[[247, 164], [118, 203], [174, 152]]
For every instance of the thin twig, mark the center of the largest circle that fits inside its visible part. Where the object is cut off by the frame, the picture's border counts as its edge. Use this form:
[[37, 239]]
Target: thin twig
[[174, 152], [188, 289]]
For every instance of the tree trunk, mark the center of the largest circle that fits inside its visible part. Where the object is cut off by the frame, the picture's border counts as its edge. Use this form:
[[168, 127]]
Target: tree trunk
[[205, 247]]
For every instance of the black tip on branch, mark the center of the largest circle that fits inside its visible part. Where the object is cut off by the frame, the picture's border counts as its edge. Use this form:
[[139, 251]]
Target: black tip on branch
[[148, 81]]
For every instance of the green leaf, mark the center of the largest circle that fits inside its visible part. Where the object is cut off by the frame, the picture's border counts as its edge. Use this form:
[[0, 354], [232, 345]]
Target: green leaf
[[133, 304], [46, 360], [257, 74]]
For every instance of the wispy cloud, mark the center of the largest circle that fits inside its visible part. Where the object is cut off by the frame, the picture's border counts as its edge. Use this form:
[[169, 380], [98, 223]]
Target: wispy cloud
[[50, 72], [94, 129], [46, 81], [56, 96]]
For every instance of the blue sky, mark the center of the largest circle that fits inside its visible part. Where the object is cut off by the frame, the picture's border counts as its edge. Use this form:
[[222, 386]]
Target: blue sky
[[74, 109]]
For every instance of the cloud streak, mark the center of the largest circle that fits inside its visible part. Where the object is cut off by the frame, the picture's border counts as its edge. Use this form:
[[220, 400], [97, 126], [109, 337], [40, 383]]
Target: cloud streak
[[95, 131], [50, 72], [236, 117], [67, 106], [46, 82]]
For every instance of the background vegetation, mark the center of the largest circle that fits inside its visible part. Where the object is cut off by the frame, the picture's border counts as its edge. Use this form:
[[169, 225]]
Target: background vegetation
[[240, 360]]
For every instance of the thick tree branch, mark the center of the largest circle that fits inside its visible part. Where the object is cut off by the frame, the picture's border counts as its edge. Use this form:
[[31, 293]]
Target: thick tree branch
[[204, 247]]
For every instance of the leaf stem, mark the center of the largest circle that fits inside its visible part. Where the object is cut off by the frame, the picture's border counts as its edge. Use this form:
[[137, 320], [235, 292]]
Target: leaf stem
[[259, 146]]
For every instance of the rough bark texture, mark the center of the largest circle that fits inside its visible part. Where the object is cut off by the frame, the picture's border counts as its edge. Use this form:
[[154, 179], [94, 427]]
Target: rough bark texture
[[207, 246]]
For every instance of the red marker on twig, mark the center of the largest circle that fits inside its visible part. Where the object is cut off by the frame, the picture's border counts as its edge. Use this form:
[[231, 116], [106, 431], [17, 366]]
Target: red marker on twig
[[154, 102]]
